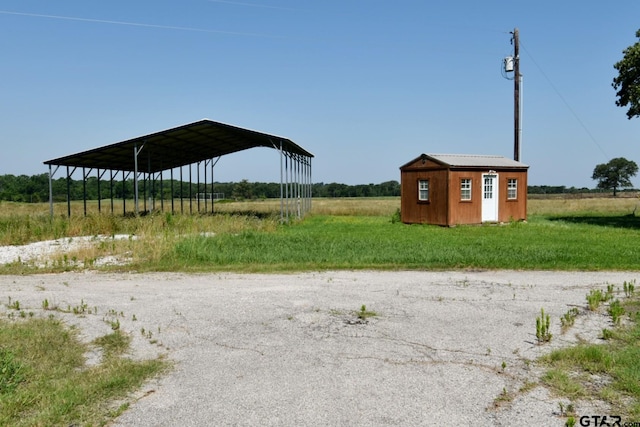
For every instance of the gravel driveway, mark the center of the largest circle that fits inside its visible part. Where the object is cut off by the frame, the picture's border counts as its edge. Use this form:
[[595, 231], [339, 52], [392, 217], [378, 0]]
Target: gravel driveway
[[289, 350]]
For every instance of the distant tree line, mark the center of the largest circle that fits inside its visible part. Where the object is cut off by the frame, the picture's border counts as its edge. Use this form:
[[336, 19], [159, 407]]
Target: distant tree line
[[561, 189], [35, 188], [556, 189]]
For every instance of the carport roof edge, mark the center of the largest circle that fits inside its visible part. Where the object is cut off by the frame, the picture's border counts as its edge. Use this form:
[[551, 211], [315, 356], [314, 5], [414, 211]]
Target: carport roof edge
[[176, 147]]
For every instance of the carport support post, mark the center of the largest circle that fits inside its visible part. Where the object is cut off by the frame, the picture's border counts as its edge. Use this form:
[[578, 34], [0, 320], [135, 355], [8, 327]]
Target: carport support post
[[206, 162], [161, 193], [99, 194], [171, 176], [281, 189], [298, 184], [286, 185], [136, 152], [50, 195], [51, 190], [148, 191], [84, 191], [212, 197], [212, 165], [309, 185], [85, 175], [152, 193], [290, 196], [198, 185], [68, 193], [124, 188], [145, 183], [135, 177], [111, 188]]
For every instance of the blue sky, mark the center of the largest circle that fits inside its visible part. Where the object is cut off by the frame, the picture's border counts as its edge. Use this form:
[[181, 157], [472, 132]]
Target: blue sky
[[365, 85]]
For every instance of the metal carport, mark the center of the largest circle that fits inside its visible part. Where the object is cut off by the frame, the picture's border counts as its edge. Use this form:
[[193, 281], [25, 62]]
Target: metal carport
[[205, 141]]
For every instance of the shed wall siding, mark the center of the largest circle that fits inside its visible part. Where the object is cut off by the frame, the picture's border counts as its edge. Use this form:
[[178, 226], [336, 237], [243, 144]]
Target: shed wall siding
[[433, 211], [465, 211], [512, 210], [445, 206]]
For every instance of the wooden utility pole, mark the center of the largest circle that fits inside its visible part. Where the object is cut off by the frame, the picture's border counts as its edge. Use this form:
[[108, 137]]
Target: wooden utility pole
[[516, 95]]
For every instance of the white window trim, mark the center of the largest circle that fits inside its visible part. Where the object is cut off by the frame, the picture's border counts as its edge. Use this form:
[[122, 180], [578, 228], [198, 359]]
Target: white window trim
[[463, 190], [512, 188], [423, 186]]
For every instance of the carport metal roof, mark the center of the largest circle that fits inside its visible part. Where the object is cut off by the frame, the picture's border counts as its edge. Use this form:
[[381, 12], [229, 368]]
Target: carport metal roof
[[179, 146], [190, 144]]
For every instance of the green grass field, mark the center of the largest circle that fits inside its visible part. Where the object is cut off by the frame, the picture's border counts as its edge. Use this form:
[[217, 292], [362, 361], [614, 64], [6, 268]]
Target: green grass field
[[561, 234], [352, 242]]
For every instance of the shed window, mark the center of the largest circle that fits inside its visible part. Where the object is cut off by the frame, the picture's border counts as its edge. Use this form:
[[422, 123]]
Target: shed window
[[465, 189], [423, 190], [512, 189]]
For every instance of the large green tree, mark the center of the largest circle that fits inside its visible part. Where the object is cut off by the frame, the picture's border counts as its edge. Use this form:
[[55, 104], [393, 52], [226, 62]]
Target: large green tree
[[627, 83], [615, 174]]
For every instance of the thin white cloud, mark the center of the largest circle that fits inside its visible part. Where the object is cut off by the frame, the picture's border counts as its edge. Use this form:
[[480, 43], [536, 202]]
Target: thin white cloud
[[134, 24]]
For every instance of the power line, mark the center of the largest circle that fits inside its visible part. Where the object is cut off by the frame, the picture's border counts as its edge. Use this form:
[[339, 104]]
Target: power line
[[565, 102], [132, 24]]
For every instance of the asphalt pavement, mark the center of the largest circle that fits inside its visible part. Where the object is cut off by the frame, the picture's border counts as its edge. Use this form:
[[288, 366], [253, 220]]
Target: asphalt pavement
[[440, 348]]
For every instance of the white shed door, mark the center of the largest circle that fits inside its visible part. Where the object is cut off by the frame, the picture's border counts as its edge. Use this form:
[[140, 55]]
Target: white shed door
[[490, 198]]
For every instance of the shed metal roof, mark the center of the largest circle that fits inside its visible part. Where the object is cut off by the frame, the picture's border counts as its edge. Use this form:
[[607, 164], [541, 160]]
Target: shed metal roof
[[179, 146], [472, 160]]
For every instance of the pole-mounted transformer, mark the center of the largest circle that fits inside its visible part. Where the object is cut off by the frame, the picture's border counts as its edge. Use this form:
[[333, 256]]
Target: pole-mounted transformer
[[508, 64]]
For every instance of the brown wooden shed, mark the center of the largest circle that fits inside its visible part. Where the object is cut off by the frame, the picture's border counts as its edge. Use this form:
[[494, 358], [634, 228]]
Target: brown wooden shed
[[455, 189]]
